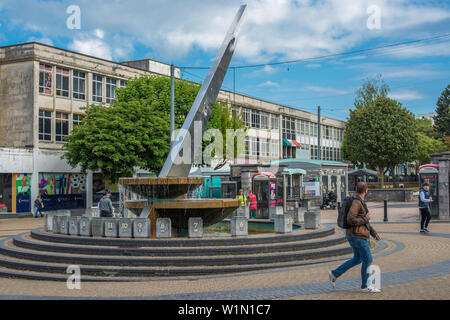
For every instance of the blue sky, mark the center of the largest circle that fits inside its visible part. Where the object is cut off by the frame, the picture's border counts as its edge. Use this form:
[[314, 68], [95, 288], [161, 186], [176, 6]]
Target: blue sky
[[188, 33]]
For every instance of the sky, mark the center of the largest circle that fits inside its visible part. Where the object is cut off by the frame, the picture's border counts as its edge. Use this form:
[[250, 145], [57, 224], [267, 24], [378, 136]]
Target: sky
[[188, 33]]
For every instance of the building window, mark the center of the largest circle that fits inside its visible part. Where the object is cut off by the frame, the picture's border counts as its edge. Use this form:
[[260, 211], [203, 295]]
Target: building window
[[45, 125], [264, 147], [62, 82], [123, 84], [264, 120], [275, 149], [79, 85], [255, 146], [77, 119], [247, 146], [45, 78], [111, 90], [97, 84], [246, 118], [288, 128], [274, 122], [62, 126], [256, 119]]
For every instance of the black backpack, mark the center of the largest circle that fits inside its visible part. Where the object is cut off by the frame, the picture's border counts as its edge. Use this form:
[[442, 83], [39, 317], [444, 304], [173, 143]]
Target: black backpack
[[342, 213]]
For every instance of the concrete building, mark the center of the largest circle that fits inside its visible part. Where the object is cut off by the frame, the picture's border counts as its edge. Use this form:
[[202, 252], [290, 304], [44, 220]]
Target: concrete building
[[429, 116], [43, 90]]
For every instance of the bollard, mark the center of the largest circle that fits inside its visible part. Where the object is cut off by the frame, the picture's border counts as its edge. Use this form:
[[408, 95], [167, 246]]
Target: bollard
[[385, 211]]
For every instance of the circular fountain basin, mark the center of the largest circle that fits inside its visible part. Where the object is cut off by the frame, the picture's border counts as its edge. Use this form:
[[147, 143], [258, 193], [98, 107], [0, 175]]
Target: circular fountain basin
[[179, 211], [161, 188]]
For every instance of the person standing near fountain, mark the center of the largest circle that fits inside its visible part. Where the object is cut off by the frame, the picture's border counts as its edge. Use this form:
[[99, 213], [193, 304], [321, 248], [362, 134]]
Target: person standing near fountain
[[105, 206], [242, 198], [253, 204]]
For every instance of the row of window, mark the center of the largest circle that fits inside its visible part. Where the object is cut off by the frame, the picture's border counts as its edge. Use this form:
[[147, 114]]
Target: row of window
[[260, 147], [259, 119], [294, 128], [328, 153], [61, 125], [62, 84], [291, 128]]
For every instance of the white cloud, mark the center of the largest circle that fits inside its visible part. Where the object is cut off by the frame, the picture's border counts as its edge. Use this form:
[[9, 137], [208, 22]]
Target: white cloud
[[99, 33], [406, 95], [92, 45], [269, 84], [274, 29]]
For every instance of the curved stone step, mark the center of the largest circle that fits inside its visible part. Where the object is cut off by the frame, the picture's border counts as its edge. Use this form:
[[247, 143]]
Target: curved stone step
[[169, 261], [39, 245], [37, 270], [298, 235]]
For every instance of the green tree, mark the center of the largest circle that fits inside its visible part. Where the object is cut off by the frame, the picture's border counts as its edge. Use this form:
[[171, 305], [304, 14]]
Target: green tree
[[381, 134], [134, 131], [118, 138], [442, 118], [223, 119], [372, 89], [427, 146]]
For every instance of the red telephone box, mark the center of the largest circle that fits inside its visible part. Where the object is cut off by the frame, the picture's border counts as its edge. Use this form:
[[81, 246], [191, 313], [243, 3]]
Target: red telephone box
[[264, 187]]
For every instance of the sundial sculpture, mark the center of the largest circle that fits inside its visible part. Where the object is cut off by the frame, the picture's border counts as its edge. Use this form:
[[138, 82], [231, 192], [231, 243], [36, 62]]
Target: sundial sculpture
[[164, 196]]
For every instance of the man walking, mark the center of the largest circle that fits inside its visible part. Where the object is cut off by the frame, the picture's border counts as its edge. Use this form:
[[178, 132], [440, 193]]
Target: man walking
[[358, 236], [424, 207], [105, 206]]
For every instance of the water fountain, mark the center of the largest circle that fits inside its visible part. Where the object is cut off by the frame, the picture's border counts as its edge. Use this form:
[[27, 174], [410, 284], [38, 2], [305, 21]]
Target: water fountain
[[164, 197]]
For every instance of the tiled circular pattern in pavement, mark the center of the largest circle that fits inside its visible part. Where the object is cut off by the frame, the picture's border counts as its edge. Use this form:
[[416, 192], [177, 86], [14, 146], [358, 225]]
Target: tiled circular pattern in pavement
[[425, 255]]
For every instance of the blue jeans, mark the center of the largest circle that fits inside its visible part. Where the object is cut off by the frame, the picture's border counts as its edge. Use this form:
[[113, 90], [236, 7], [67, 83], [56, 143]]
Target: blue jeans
[[40, 212], [361, 253]]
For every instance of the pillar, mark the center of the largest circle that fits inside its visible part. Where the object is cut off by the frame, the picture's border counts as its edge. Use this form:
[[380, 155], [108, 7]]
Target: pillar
[[443, 187], [34, 178], [89, 189]]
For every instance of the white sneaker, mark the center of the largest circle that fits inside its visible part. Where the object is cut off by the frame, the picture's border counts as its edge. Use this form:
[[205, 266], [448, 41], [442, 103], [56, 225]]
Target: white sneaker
[[332, 279], [370, 289]]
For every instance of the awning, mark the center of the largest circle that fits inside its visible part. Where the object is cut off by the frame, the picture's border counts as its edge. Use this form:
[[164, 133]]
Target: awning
[[296, 144], [291, 143], [363, 172], [294, 171], [287, 143]]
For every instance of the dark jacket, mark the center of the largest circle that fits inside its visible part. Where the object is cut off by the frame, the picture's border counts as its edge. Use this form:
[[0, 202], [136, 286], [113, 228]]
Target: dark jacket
[[356, 217], [105, 205], [424, 198]]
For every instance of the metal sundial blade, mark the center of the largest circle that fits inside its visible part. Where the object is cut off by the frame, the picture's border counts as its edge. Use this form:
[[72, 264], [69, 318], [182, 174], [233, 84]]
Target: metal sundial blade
[[201, 109]]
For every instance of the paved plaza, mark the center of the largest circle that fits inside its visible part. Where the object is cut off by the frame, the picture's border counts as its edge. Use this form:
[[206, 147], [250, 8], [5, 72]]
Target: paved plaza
[[413, 266]]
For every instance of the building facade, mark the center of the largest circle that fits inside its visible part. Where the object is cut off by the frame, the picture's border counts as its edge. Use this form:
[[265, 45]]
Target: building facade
[[44, 89]]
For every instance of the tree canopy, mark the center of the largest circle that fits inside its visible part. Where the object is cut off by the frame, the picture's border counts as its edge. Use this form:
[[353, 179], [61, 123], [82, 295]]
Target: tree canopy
[[381, 134], [135, 130], [372, 89], [442, 118]]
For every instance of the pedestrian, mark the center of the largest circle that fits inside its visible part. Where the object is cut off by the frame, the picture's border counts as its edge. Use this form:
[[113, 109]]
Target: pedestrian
[[105, 206], [253, 204], [358, 236], [242, 198], [39, 205], [424, 207]]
